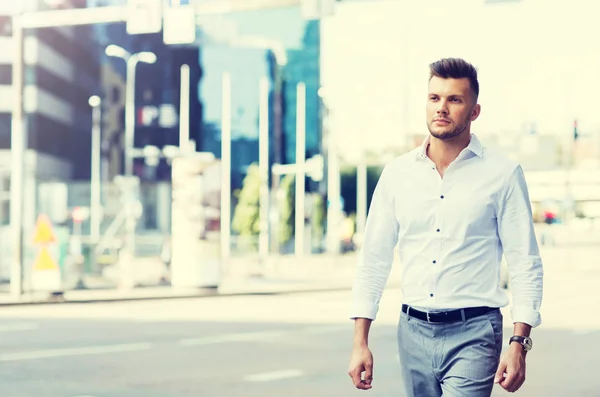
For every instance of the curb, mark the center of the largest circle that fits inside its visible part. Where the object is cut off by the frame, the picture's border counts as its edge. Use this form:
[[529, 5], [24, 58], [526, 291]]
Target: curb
[[206, 294]]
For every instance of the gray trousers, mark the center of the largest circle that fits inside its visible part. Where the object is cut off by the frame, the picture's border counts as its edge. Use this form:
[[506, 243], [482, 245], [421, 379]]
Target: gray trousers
[[450, 359]]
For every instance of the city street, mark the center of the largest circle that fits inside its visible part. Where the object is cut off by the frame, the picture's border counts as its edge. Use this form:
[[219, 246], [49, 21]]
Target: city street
[[266, 345]]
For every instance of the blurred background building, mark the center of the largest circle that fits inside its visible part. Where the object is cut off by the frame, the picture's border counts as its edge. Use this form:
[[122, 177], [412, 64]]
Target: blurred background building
[[364, 67]]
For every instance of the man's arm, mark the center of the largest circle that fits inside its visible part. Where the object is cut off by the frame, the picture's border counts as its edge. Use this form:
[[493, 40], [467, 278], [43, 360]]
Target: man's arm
[[511, 370], [375, 261], [362, 358], [517, 235], [361, 331], [377, 253]]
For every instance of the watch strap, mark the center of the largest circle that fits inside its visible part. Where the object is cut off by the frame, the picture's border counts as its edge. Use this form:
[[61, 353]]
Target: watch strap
[[522, 340]]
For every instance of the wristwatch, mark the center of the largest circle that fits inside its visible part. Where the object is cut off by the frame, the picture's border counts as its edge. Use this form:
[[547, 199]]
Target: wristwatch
[[524, 341]]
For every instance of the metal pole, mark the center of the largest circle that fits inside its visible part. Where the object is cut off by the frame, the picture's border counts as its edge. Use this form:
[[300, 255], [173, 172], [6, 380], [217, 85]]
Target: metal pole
[[333, 188], [361, 196], [18, 149], [226, 167], [277, 150], [128, 260], [300, 165], [128, 279], [263, 165], [278, 117], [568, 148], [130, 114], [184, 109], [96, 187]]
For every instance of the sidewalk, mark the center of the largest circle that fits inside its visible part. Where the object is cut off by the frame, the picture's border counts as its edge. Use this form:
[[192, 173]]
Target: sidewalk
[[287, 274], [242, 276]]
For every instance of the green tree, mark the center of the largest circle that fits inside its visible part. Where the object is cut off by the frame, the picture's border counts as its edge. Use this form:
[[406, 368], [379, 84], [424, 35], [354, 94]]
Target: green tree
[[287, 210], [246, 213], [318, 221]]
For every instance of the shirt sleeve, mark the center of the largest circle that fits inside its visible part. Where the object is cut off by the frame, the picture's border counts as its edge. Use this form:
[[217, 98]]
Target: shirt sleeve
[[377, 253], [517, 235]]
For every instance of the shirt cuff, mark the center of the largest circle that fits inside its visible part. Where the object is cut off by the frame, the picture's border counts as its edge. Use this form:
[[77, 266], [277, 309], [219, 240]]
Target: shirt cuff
[[526, 315], [364, 309]]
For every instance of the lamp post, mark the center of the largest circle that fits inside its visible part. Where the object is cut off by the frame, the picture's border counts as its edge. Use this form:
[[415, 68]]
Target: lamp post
[[131, 60], [96, 188]]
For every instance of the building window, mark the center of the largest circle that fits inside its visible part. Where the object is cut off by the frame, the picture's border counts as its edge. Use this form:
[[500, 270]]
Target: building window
[[4, 200], [5, 74]]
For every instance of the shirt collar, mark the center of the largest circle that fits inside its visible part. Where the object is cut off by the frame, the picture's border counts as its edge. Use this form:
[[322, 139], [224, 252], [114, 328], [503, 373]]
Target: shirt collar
[[474, 146]]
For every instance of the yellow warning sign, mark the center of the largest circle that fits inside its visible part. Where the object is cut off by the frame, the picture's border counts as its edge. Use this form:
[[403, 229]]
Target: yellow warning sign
[[44, 234], [44, 261]]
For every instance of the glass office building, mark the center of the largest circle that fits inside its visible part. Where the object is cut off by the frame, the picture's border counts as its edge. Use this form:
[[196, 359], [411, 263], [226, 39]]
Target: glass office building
[[246, 46], [263, 36]]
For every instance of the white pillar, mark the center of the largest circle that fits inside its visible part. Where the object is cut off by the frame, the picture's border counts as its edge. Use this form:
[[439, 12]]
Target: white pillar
[[96, 178], [226, 167], [263, 165], [300, 162], [130, 114], [361, 196], [333, 191], [184, 109], [18, 148]]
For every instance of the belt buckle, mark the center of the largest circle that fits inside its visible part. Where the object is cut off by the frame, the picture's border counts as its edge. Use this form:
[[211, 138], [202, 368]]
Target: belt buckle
[[428, 319]]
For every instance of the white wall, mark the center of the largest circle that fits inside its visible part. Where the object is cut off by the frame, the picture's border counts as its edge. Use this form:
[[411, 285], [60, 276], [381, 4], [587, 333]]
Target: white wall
[[534, 58]]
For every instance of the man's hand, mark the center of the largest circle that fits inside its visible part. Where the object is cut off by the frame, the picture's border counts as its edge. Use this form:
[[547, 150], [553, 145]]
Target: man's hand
[[361, 361], [511, 371]]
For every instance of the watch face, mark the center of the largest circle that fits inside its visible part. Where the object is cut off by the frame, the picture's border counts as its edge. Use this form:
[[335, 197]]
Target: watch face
[[527, 343]]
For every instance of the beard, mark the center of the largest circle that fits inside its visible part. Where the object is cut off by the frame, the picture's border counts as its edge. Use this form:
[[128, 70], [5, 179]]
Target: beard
[[449, 132]]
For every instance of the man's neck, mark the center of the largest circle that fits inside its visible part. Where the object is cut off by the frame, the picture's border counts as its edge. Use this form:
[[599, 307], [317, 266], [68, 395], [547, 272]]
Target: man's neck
[[444, 152]]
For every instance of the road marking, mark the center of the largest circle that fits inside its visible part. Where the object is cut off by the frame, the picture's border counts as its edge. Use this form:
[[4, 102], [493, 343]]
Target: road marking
[[18, 327], [76, 351], [275, 375], [325, 329], [259, 335], [239, 337]]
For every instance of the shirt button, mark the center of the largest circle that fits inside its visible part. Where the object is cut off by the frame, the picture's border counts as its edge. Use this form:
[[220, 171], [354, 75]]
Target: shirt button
[[434, 261], [431, 295], [442, 196], [438, 230]]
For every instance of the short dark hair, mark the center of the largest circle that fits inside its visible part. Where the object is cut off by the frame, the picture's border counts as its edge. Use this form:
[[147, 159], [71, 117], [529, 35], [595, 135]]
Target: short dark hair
[[455, 68]]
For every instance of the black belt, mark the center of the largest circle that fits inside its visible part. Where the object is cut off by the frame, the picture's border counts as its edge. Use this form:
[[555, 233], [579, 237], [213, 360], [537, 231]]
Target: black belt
[[447, 316]]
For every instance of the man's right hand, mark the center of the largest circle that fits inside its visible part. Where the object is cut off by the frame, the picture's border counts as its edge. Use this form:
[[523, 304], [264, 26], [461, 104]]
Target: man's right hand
[[361, 361]]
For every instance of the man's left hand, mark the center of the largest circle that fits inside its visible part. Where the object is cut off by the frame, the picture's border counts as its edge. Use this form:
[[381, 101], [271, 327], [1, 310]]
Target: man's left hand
[[511, 371]]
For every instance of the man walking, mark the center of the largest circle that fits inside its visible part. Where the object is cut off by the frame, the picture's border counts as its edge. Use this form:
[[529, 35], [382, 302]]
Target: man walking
[[454, 208]]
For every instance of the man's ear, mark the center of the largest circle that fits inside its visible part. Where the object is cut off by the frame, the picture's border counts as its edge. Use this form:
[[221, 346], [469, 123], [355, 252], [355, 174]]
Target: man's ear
[[476, 112]]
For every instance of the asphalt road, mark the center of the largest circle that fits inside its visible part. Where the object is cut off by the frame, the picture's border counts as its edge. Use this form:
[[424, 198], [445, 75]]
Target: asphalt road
[[265, 345]]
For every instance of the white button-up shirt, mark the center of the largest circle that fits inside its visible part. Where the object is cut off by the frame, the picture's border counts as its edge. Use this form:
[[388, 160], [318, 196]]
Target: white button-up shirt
[[451, 233]]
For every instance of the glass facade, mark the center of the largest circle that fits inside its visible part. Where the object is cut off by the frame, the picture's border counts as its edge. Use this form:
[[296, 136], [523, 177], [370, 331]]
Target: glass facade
[[246, 45], [262, 36]]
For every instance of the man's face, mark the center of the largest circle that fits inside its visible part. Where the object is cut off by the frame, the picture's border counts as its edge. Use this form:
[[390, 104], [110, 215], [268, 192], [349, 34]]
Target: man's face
[[450, 107]]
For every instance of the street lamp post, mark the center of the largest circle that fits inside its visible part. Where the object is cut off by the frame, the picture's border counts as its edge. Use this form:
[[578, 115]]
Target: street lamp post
[[18, 148], [95, 190], [132, 60]]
